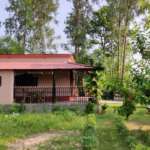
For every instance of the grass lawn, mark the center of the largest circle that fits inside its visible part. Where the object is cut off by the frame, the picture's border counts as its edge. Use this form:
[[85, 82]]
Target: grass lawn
[[140, 116], [16, 126], [19, 126]]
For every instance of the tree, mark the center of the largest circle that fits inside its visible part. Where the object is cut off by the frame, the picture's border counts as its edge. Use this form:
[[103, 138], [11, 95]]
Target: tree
[[29, 23], [77, 25], [141, 68], [10, 46], [124, 12], [141, 43], [102, 37], [94, 83], [141, 78]]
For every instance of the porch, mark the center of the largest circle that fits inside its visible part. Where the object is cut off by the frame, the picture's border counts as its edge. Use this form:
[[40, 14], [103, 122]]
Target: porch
[[49, 86], [35, 94]]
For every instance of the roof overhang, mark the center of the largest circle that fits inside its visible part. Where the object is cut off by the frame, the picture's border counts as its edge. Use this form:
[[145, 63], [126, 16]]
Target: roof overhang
[[42, 66]]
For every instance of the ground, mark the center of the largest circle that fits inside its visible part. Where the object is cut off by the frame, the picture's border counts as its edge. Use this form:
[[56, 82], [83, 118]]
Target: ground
[[63, 130]]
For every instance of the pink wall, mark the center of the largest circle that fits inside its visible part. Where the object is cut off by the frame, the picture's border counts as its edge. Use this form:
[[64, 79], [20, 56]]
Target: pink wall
[[7, 87]]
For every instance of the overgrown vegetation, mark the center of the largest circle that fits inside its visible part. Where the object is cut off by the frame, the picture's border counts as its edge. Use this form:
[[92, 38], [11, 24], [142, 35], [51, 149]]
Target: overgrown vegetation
[[89, 139], [94, 130]]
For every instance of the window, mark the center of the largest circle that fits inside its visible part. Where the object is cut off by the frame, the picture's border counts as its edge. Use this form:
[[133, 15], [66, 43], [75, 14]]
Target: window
[[0, 80]]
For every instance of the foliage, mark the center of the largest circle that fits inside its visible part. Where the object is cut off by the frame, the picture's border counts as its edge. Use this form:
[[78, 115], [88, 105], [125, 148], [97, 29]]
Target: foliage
[[141, 78], [91, 120], [141, 43], [89, 108], [143, 136], [124, 133], [29, 22], [127, 108], [104, 107], [14, 125], [15, 108], [10, 46], [100, 31], [141, 147], [77, 24], [89, 140], [94, 84]]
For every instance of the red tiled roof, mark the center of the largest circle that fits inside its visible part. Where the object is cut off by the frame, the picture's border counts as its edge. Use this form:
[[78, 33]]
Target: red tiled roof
[[42, 66], [35, 55]]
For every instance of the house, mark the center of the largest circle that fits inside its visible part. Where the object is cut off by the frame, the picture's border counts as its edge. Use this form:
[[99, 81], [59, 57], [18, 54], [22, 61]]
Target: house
[[40, 78]]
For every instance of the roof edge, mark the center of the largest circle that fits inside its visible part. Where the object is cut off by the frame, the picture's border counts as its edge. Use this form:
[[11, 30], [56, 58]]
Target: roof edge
[[34, 55]]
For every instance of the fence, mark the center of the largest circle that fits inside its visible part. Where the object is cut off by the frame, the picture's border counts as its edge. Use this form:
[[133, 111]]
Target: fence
[[34, 94]]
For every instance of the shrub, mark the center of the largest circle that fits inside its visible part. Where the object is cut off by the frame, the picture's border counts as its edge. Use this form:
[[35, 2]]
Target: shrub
[[68, 115], [56, 108], [104, 107], [89, 140], [124, 133], [127, 109], [122, 130], [17, 108], [1, 109], [75, 109], [92, 100], [143, 136], [90, 108], [141, 147], [91, 120]]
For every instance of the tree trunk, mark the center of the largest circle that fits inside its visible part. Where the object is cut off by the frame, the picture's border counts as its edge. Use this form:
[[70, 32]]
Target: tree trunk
[[125, 42], [118, 55]]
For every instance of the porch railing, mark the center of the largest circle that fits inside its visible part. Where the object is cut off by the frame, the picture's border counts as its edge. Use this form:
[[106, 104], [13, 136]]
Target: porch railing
[[34, 94]]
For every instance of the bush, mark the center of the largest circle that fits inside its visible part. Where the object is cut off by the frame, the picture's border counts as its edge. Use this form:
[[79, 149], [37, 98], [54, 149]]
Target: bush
[[104, 107], [92, 100], [143, 136], [1, 109], [141, 147], [124, 133], [89, 140], [57, 108], [76, 109], [17, 108], [90, 108], [68, 115], [91, 120], [127, 109]]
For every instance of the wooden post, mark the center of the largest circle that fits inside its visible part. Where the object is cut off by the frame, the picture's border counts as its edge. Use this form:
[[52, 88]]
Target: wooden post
[[53, 87]]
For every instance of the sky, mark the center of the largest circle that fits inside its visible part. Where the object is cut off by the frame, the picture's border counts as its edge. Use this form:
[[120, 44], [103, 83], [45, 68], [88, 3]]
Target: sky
[[64, 9]]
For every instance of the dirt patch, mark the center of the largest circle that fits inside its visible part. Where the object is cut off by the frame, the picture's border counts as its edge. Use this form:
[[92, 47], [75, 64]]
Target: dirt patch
[[137, 126], [31, 143]]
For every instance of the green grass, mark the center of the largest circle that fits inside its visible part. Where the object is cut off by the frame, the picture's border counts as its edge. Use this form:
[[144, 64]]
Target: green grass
[[18, 126], [14, 126], [107, 134], [141, 116]]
